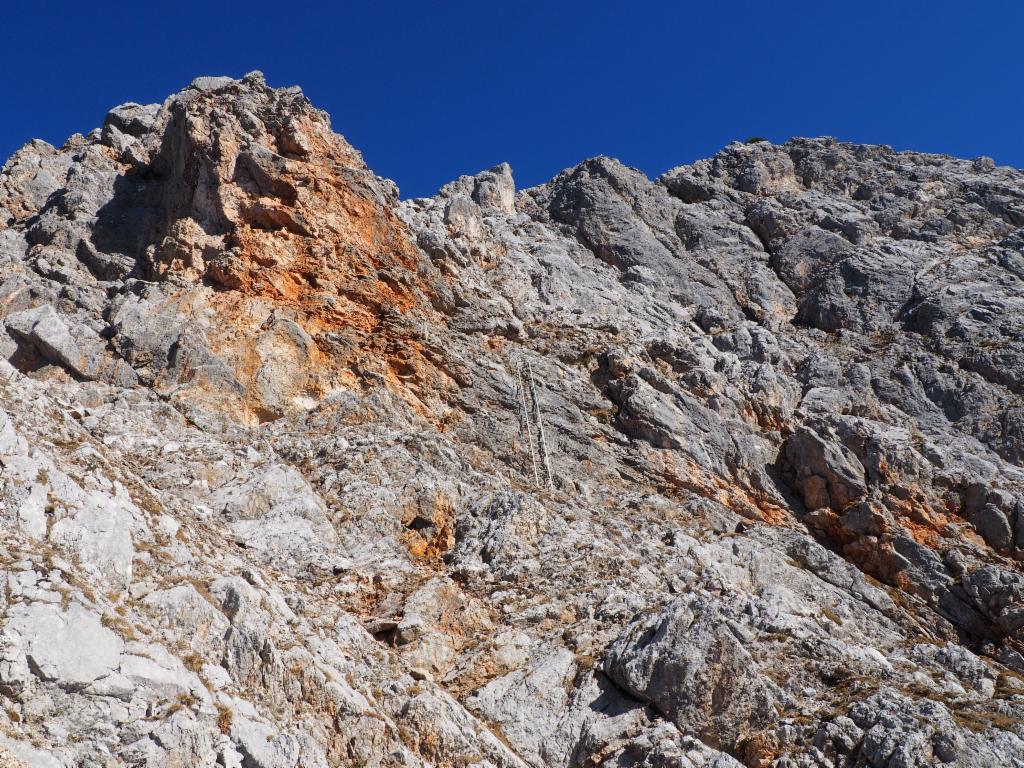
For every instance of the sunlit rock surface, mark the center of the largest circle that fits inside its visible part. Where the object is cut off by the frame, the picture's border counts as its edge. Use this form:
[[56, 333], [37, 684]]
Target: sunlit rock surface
[[267, 493]]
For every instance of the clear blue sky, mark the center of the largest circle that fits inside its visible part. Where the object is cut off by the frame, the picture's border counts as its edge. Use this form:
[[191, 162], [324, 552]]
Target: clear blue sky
[[429, 90]]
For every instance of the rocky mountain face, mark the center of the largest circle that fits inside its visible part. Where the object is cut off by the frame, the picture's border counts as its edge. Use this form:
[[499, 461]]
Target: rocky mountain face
[[721, 469]]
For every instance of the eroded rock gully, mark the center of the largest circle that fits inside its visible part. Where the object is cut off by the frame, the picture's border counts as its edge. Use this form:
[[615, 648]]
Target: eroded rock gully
[[267, 500]]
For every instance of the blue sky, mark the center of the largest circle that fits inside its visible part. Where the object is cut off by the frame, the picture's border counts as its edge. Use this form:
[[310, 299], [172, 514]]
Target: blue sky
[[429, 90]]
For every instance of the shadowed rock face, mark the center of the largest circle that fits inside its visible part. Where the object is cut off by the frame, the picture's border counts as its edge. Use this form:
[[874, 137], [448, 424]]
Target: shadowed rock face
[[268, 500]]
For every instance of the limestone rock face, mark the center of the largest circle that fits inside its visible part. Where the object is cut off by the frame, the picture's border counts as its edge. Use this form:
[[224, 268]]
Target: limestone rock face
[[272, 490], [257, 252], [71, 648], [691, 666]]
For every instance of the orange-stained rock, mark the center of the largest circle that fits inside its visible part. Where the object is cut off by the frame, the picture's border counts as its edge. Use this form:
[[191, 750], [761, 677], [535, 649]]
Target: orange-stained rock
[[269, 225]]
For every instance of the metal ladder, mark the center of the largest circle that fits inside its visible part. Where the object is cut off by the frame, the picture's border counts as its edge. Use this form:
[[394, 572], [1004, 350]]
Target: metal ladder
[[531, 424]]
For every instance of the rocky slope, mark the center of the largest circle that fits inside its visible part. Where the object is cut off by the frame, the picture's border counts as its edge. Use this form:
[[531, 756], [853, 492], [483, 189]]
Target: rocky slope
[[268, 496]]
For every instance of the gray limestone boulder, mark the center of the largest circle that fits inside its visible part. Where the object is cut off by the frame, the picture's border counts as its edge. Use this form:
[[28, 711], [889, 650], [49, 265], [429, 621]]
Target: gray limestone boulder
[[71, 648], [826, 473], [689, 665], [277, 514]]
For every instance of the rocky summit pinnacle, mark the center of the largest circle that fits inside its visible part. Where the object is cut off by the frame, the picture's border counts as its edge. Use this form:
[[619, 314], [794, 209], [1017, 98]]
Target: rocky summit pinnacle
[[720, 469]]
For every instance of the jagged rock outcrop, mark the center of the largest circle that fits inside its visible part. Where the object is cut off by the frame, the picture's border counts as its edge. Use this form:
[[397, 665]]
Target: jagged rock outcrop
[[268, 496], [257, 254]]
